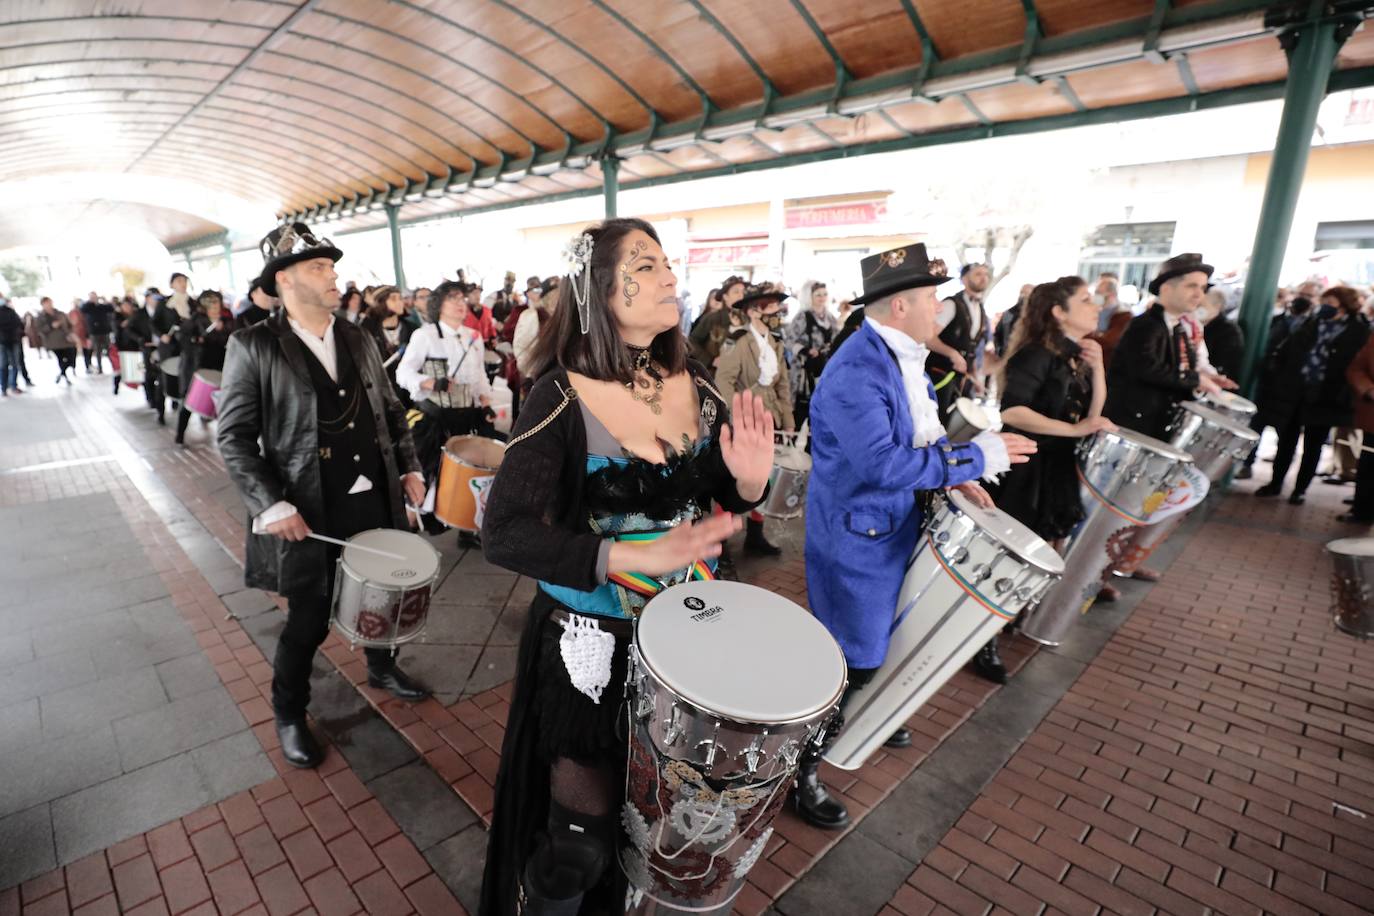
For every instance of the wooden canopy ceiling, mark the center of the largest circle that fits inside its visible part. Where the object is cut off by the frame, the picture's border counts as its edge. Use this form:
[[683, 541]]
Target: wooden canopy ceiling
[[334, 109]]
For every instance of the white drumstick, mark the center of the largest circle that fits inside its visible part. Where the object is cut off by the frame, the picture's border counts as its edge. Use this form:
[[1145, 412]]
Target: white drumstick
[[329, 540], [1355, 445]]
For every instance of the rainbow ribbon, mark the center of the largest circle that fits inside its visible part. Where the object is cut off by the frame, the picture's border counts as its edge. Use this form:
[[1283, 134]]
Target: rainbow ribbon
[[646, 585]]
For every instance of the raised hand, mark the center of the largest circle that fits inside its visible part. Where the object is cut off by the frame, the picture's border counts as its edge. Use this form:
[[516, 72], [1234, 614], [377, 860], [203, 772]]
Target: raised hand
[[746, 444]]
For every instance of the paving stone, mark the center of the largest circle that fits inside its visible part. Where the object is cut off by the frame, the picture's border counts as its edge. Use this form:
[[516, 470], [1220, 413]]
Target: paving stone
[[16, 650], [369, 744], [248, 602], [971, 756], [451, 624], [46, 675], [911, 820], [446, 670], [495, 667], [51, 769], [26, 846], [189, 674], [134, 803], [231, 765], [92, 705], [458, 861], [180, 726], [422, 804], [20, 727], [468, 589], [860, 872]]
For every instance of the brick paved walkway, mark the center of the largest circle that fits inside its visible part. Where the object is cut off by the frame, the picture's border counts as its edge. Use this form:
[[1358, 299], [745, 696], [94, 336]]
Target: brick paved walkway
[[1218, 756]]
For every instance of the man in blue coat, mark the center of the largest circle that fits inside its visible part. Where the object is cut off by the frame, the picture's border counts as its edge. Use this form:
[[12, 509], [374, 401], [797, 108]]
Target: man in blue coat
[[876, 440]]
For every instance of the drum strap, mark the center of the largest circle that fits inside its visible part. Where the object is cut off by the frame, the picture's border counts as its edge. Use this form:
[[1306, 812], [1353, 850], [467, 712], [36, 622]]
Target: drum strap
[[645, 584]]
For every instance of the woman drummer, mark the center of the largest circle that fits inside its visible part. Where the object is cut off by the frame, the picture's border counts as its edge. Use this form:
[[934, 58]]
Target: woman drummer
[[442, 370], [1053, 388], [621, 435], [204, 338]]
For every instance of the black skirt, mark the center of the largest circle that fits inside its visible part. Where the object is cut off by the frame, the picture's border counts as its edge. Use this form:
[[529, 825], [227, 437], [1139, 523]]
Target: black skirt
[[549, 718], [1044, 493]]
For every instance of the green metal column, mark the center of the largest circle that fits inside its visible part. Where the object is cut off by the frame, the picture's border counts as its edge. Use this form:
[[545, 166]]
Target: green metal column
[[393, 222], [1311, 49], [190, 268], [229, 262], [610, 183]]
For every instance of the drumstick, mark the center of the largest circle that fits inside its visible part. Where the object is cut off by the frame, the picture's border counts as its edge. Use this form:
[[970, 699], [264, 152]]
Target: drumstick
[[329, 540], [1355, 445]]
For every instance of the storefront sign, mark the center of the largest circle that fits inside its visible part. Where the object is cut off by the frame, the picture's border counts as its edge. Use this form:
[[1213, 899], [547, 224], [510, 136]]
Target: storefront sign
[[836, 215], [727, 255]]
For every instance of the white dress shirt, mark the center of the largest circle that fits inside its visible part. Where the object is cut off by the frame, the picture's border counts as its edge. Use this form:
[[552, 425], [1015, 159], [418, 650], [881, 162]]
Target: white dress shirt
[[460, 346], [768, 360]]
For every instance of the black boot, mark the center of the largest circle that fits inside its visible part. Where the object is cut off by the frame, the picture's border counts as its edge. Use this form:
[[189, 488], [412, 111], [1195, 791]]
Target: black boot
[[814, 802], [298, 745], [756, 543], [988, 664], [900, 738], [397, 682]]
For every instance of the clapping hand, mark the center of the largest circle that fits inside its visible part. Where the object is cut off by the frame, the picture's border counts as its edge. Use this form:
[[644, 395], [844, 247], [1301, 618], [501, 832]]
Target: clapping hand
[[746, 444]]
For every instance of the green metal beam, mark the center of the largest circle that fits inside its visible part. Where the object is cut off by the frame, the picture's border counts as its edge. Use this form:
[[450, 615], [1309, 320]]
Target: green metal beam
[[974, 109], [1061, 85], [1185, 73], [1151, 44], [842, 75], [610, 183], [393, 222], [1311, 48], [229, 261], [208, 240], [1029, 41]]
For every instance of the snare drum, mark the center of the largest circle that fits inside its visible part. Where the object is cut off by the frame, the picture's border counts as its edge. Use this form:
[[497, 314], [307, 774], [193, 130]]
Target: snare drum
[[380, 602], [171, 377], [1125, 477], [1352, 585], [201, 398], [966, 419], [787, 485], [131, 367], [973, 570], [727, 684], [465, 476], [1233, 405]]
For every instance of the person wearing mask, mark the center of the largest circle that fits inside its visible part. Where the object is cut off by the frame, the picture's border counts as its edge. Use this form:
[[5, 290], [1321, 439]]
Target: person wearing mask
[[1268, 383], [956, 356], [204, 338], [1313, 396], [11, 347], [711, 329], [1053, 387], [55, 330], [313, 437], [808, 340], [756, 363], [419, 303], [99, 316]]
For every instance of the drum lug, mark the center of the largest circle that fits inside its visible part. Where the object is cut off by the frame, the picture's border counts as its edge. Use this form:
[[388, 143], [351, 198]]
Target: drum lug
[[960, 556], [644, 707], [715, 746], [979, 573], [672, 728], [790, 752], [753, 754], [1002, 586]]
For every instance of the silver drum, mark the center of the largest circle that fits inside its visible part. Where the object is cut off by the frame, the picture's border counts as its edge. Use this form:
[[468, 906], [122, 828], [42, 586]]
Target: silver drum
[[1125, 477], [381, 602], [1215, 440], [1233, 405], [787, 485], [727, 683], [967, 418], [1352, 585]]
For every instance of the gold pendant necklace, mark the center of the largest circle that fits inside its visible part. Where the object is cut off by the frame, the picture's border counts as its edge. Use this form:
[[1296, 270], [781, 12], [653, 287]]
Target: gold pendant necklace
[[645, 378]]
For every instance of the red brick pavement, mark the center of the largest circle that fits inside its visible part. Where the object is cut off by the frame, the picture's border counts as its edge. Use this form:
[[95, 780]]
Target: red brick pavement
[[303, 842], [462, 742], [1207, 761]]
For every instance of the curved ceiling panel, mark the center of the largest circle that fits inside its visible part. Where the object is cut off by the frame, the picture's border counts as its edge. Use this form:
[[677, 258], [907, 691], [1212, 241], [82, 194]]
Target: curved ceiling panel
[[337, 108]]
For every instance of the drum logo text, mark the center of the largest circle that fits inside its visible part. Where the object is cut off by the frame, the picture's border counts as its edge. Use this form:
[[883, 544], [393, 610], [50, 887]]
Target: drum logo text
[[403, 574], [693, 603]]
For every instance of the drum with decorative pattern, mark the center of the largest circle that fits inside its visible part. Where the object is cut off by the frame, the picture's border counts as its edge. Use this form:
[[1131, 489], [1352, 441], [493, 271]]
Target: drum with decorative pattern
[[383, 601]]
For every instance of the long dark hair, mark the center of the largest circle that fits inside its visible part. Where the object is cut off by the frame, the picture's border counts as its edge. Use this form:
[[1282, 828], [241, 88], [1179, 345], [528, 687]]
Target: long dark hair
[[1037, 324], [379, 311], [348, 297], [601, 353]]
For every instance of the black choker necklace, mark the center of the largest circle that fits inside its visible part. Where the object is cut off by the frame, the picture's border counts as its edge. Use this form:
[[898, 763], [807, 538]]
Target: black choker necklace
[[646, 377]]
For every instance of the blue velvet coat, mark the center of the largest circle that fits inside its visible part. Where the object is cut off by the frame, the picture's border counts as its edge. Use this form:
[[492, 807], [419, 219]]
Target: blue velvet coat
[[862, 518]]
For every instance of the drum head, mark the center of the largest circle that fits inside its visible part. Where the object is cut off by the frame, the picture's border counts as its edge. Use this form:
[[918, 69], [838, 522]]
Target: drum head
[[1352, 547], [1011, 534], [791, 457], [1148, 443], [421, 561], [1232, 401], [172, 365], [1214, 418], [210, 376], [740, 652], [476, 451], [973, 413]]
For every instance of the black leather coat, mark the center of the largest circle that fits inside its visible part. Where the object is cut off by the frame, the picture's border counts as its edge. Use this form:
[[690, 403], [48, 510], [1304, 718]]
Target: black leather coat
[[1144, 382], [267, 394]]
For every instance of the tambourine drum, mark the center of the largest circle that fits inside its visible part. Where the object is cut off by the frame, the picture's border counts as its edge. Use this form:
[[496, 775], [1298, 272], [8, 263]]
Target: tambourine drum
[[727, 683], [201, 398], [787, 484], [465, 475], [382, 602], [966, 419], [171, 377], [131, 367], [1125, 477], [1352, 585], [973, 570], [1233, 405]]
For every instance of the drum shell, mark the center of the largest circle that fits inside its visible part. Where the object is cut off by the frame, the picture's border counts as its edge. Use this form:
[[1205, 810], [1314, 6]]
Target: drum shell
[[787, 485], [131, 367], [1130, 474], [1233, 406], [943, 626], [966, 420], [1352, 591], [404, 611], [466, 459], [1215, 445], [201, 398], [171, 377]]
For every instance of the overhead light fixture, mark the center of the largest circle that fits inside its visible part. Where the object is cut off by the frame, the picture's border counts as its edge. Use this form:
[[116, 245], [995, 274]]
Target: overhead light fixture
[[547, 168], [727, 131], [957, 84], [676, 141], [874, 101], [797, 116]]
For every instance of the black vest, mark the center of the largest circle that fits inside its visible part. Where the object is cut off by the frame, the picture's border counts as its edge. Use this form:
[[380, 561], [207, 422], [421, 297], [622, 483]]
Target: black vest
[[962, 334], [347, 431]]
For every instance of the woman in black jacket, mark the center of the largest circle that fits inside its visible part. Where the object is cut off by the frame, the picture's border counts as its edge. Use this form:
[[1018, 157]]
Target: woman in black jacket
[[1312, 395], [386, 323], [204, 337]]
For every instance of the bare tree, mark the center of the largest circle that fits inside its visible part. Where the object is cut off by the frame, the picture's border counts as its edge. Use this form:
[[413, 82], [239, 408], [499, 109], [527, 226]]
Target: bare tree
[[991, 239]]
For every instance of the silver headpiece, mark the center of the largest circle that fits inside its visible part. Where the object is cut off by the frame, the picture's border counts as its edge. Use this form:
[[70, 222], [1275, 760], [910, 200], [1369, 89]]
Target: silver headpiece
[[578, 255]]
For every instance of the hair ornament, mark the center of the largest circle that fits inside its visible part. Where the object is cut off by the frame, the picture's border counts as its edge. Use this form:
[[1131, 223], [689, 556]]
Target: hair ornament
[[578, 255]]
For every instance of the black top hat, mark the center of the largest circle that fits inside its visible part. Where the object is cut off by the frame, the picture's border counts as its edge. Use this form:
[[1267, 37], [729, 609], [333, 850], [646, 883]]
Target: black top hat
[[761, 294], [1177, 266], [287, 245], [901, 268]]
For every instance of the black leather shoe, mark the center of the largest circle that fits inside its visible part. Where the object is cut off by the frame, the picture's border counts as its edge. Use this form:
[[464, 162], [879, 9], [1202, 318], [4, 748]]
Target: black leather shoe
[[900, 738], [756, 543], [298, 745], [988, 664], [398, 683], [814, 802], [1296, 499], [1348, 501], [469, 541], [1269, 489]]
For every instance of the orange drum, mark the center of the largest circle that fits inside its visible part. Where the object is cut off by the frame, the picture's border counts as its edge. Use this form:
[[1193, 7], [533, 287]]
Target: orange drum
[[469, 466]]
